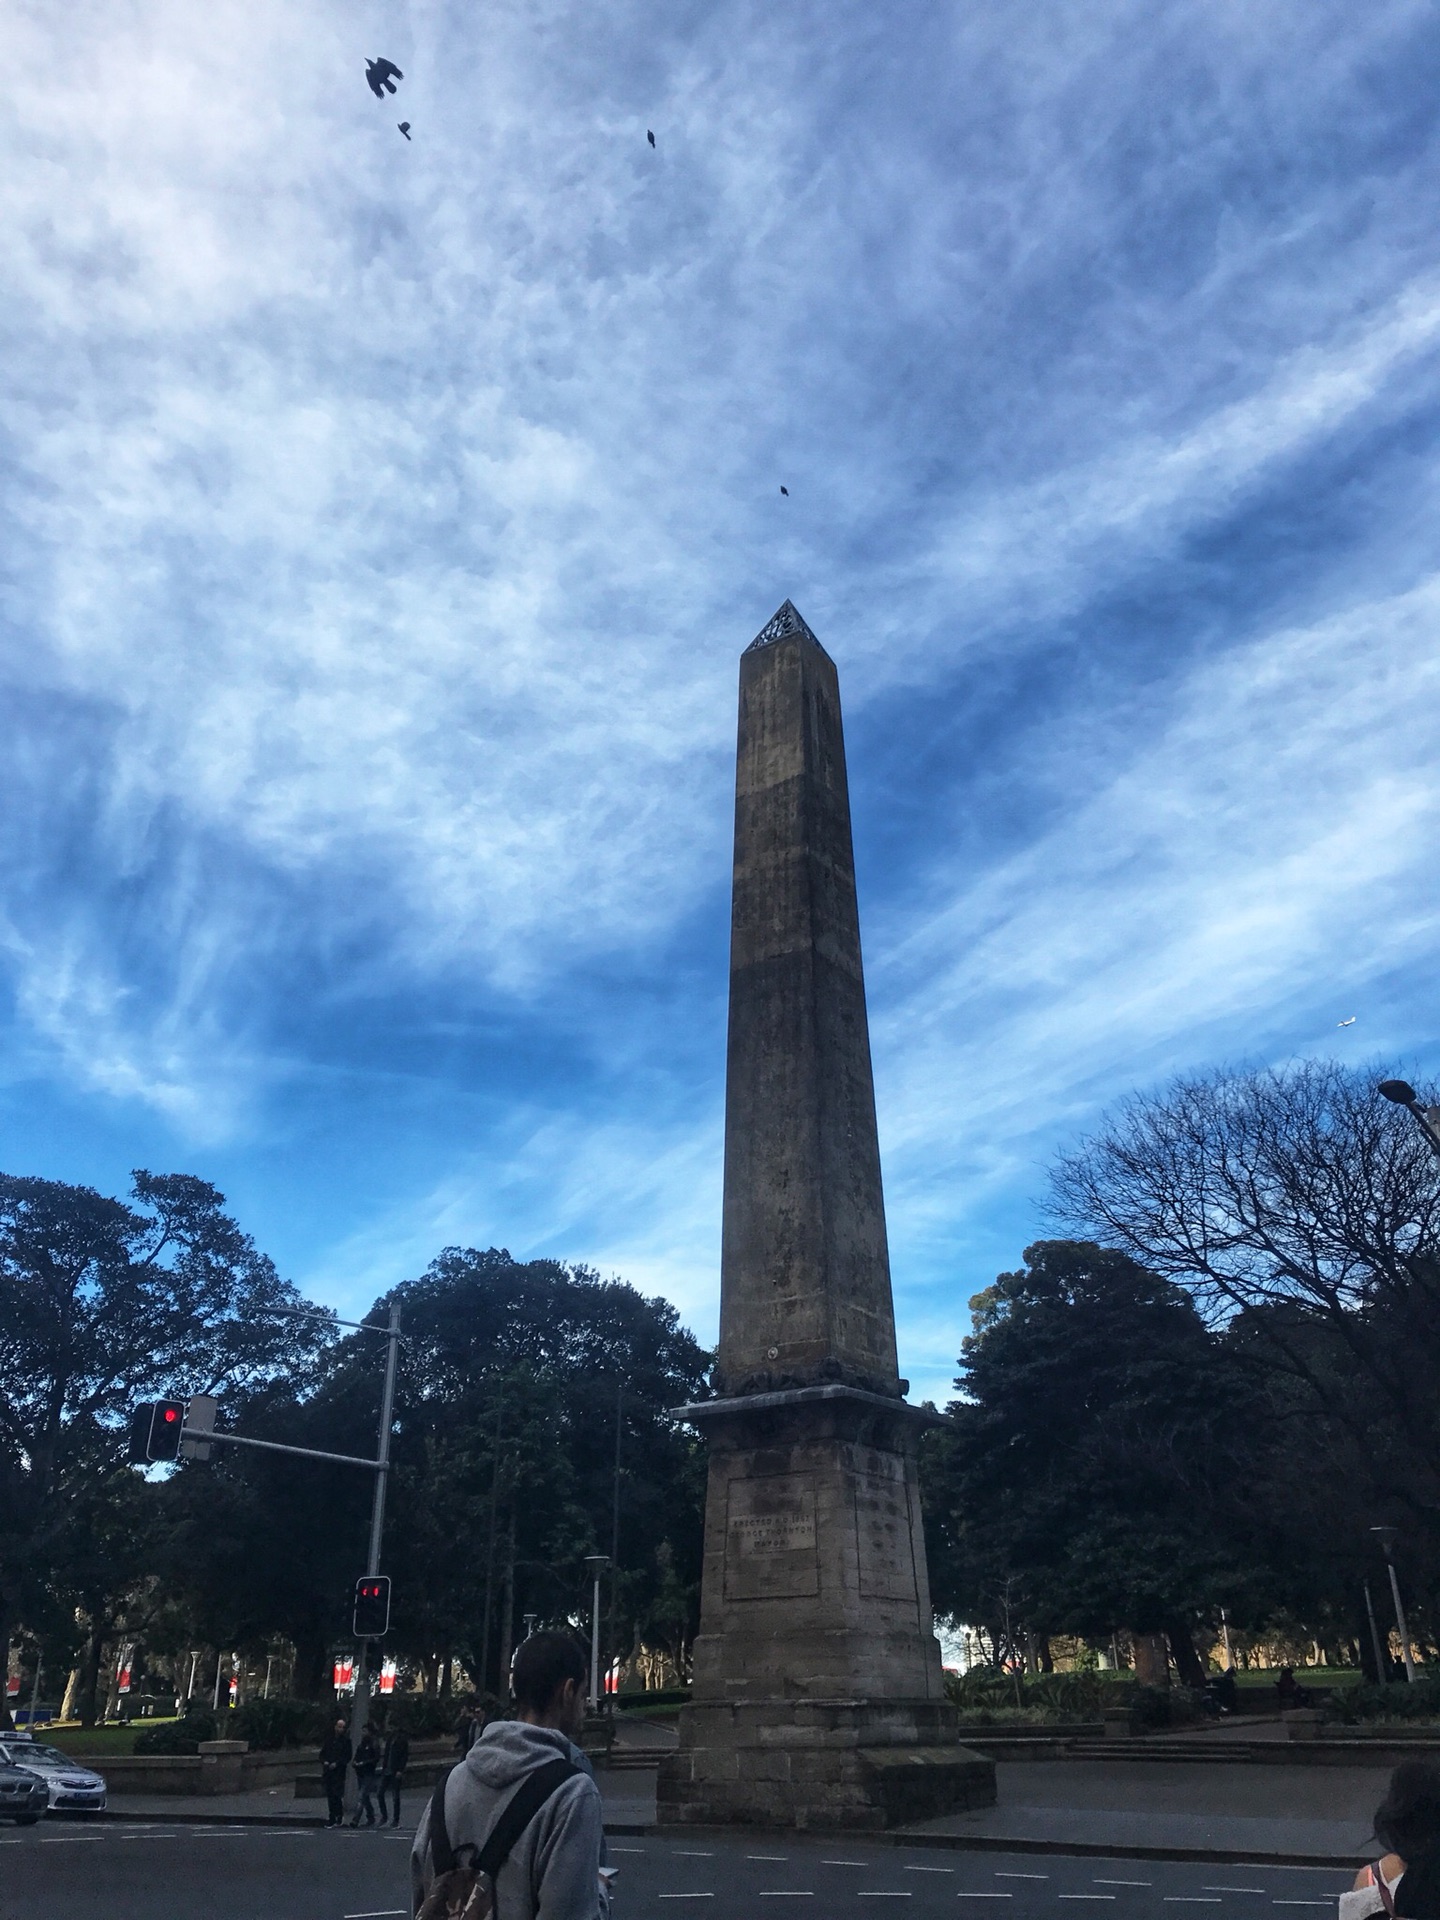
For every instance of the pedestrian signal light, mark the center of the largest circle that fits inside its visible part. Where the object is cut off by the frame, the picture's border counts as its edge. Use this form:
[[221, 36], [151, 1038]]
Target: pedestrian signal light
[[155, 1430], [372, 1606]]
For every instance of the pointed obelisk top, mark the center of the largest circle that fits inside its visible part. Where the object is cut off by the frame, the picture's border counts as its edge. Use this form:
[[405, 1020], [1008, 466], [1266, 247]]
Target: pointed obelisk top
[[780, 626]]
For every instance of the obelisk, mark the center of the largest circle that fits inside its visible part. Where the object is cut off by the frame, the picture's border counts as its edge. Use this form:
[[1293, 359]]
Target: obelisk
[[817, 1698]]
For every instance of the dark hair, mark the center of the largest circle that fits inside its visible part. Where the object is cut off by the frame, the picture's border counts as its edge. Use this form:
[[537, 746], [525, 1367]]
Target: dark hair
[[542, 1665], [1407, 1821]]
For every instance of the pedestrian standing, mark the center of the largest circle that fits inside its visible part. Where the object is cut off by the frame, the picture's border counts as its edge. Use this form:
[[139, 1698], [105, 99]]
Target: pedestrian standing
[[394, 1758], [522, 1806], [367, 1762], [334, 1765]]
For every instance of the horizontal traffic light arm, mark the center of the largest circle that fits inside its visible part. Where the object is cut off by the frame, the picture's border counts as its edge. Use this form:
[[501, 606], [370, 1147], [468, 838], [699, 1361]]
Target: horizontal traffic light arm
[[307, 1453]]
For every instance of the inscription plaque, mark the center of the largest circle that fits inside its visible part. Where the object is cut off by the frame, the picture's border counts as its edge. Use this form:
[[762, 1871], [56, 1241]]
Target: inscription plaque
[[883, 1538], [770, 1544]]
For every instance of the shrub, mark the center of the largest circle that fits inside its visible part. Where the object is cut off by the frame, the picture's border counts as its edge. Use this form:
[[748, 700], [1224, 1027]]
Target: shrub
[[420, 1715], [655, 1697], [178, 1736], [989, 1695], [1420, 1700], [281, 1722]]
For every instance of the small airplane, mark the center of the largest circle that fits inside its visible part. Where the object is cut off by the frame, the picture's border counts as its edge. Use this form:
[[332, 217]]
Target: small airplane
[[1346, 1023], [381, 76]]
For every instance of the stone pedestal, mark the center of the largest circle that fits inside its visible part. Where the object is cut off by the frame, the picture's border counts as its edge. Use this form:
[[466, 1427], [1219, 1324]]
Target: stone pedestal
[[856, 1765]]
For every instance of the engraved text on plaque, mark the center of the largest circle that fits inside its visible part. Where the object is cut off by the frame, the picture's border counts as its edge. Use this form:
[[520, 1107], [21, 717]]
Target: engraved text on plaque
[[770, 1538]]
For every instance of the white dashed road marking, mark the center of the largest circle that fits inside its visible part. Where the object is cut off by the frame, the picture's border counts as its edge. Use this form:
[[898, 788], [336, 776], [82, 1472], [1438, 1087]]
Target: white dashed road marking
[[1086, 1896], [929, 1869], [1122, 1883]]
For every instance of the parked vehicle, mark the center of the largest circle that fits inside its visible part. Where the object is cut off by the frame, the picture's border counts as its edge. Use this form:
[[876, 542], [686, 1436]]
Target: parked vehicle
[[23, 1795], [70, 1787]]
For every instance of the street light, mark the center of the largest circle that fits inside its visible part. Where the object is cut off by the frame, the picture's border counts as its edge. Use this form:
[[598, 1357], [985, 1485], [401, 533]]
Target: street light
[[597, 1563], [1404, 1095], [1387, 1542]]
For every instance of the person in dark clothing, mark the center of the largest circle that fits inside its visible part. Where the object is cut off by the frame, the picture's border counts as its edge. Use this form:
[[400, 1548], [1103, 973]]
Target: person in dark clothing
[[467, 1728], [367, 1763], [394, 1758], [334, 1765], [1405, 1881]]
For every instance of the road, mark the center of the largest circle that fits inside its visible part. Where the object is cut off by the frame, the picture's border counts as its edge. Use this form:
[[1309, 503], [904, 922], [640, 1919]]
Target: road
[[133, 1870]]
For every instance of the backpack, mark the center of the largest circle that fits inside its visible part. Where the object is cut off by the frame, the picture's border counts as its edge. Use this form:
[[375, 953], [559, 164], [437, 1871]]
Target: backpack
[[465, 1889]]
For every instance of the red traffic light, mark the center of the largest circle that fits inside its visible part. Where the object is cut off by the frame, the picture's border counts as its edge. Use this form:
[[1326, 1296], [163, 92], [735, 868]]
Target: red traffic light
[[166, 1428], [370, 1619]]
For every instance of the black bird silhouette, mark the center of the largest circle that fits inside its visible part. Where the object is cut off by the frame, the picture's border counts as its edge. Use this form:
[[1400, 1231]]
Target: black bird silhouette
[[405, 128], [786, 492], [381, 75], [649, 136]]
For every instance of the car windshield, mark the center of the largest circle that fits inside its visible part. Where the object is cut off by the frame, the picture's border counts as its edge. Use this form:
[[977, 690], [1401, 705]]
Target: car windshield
[[24, 1754]]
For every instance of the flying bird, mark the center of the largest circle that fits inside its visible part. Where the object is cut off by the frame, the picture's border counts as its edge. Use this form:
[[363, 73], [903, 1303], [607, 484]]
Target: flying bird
[[786, 492], [649, 136], [1346, 1023], [405, 128], [381, 76]]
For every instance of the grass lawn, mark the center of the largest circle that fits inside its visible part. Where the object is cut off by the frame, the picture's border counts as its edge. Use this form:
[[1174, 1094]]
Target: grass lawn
[[71, 1738]]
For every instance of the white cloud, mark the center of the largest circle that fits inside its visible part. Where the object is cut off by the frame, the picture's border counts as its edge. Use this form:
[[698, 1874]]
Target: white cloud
[[383, 521]]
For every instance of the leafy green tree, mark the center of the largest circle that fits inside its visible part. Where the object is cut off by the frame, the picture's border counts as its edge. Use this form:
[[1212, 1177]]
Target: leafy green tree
[[511, 1377], [101, 1304], [1086, 1481]]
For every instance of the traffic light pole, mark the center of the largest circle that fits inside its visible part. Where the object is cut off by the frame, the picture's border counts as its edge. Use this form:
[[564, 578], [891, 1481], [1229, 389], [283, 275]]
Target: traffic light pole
[[197, 1435], [360, 1710]]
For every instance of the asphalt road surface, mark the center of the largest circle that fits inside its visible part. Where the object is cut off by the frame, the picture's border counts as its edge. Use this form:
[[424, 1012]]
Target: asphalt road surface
[[133, 1870]]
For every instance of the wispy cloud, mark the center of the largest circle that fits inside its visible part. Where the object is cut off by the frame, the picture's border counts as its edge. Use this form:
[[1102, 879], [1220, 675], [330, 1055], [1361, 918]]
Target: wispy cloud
[[382, 522]]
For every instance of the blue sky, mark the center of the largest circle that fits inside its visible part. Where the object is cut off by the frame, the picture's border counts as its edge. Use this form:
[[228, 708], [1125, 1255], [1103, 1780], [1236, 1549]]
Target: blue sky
[[382, 524]]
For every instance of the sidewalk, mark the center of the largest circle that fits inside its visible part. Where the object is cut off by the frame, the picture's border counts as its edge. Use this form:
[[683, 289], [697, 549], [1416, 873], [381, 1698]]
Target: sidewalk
[[1291, 1816]]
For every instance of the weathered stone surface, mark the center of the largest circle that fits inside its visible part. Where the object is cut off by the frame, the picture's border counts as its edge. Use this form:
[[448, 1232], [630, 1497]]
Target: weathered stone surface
[[818, 1698], [804, 1266]]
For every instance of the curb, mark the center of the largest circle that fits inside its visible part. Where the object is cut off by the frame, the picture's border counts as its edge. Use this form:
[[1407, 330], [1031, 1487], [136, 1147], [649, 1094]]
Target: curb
[[152, 1819], [999, 1843], [1121, 1850]]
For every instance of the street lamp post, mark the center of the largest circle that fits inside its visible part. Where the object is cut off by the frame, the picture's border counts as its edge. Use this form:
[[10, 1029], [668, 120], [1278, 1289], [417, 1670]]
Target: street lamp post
[[1387, 1541], [596, 1563], [1380, 1664], [1404, 1095]]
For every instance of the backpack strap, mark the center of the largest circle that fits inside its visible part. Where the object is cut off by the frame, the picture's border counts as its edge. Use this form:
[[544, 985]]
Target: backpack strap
[[520, 1809], [442, 1853]]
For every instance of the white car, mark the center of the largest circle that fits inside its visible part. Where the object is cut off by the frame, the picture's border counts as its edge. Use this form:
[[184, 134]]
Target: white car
[[72, 1788]]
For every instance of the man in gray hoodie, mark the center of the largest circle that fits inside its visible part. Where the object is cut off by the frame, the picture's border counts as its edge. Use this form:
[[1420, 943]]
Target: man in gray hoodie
[[552, 1871]]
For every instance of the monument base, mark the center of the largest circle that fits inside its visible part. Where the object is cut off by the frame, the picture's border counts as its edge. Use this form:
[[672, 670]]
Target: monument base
[[860, 1765]]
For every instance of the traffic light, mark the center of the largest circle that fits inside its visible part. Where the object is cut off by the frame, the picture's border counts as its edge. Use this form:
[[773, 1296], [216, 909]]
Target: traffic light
[[372, 1606], [155, 1430]]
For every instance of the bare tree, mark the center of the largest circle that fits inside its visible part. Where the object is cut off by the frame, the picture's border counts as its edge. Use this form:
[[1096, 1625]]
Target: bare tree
[[1295, 1198]]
